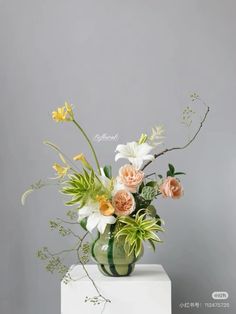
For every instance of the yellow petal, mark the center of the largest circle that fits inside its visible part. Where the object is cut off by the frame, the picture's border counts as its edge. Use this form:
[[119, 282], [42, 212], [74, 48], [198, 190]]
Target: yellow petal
[[79, 157], [105, 206]]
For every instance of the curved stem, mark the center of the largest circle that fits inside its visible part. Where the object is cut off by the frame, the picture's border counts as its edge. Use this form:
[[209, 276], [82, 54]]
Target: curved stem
[[180, 147], [90, 144], [86, 271]]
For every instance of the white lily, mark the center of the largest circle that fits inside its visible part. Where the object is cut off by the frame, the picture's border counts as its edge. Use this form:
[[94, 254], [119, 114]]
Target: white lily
[[95, 218], [135, 153], [116, 183]]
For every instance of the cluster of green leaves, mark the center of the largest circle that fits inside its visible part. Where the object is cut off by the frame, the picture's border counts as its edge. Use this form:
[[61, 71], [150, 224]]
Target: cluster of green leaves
[[187, 116], [85, 252], [54, 262], [138, 229], [171, 171], [63, 231], [72, 214], [83, 187], [147, 192]]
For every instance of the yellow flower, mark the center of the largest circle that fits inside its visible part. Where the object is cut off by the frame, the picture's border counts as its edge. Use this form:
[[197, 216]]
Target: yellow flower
[[64, 113], [61, 171], [84, 161], [105, 206], [79, 157], [68, 107]]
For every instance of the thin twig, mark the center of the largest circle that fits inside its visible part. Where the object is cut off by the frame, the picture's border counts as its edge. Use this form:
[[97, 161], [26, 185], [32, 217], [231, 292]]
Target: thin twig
[[180, 147], [67, 222], [149, 175], [86, 271], [61, 252]]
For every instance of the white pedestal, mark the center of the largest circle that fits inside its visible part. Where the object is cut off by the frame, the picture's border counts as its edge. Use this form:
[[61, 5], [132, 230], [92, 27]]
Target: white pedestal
[[146, 291]]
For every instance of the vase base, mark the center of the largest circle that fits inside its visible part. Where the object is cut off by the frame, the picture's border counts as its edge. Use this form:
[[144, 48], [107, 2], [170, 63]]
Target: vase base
[[116, 270]]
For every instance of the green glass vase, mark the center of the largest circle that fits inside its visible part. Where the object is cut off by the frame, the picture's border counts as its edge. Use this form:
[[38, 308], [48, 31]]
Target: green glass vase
[[110, 255]]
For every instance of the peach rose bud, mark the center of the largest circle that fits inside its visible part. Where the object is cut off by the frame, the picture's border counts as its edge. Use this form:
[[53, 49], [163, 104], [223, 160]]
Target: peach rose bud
[[131, 177], [123, 202], [171, 187]]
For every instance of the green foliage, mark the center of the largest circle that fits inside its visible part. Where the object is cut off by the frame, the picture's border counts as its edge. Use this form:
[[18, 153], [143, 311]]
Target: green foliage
[[72, 214], [140, 202], [55, 225], [148, 193], [85, 252], [108, 171], [54, 263], [152, 184], [41, 254], [188, 114], [83, 187], [139, 229], [171, 171], [151, 211]]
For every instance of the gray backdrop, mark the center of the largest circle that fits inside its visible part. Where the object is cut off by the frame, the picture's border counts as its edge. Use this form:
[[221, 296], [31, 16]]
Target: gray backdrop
[[126, 66]]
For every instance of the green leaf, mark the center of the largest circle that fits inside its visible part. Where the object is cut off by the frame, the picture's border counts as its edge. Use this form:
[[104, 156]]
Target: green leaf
[[179, 173], [152, 244], [148, 193], [108, 171], [83, 223], [169, 174], [160, 176], [140, 202], [151, 210], [171, 168], [141, 187], [152, 184], [158, 220]]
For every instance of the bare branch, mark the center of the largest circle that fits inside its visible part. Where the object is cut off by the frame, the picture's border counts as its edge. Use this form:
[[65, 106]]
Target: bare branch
[[86, 271], [180, 147]]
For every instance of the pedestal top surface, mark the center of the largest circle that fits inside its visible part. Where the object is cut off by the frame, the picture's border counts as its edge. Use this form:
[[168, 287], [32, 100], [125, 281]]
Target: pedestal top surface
[[142, 272]]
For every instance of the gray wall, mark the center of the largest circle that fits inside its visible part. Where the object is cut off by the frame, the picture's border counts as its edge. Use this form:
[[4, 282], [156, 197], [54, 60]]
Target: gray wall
[[126, 65]]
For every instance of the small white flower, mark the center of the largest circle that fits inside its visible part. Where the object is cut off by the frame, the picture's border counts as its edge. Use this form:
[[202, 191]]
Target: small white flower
[[95, 218], [135, 153]]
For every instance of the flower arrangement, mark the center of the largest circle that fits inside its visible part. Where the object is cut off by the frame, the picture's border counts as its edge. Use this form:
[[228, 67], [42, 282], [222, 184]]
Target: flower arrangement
[[100, 199]]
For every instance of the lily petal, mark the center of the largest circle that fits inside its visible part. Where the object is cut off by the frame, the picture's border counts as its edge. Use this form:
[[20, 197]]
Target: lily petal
[[93, 221]]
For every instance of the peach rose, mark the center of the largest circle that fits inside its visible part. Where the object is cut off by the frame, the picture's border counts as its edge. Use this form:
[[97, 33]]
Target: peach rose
[[171, 187], [123, 202], [131, 177]]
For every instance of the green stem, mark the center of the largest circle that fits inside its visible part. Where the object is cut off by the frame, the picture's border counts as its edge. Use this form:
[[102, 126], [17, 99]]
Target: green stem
[[90, 145]]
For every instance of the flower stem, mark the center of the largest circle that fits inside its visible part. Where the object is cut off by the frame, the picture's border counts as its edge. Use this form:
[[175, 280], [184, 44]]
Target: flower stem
[[90, 144]]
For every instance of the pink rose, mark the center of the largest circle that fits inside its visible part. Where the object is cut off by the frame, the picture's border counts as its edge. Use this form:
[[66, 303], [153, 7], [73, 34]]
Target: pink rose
[[131, 177], [123, 202], [171, 187]]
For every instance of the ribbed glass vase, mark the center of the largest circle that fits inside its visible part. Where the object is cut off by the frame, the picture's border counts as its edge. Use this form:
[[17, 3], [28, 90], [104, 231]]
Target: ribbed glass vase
[[110, 255]]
